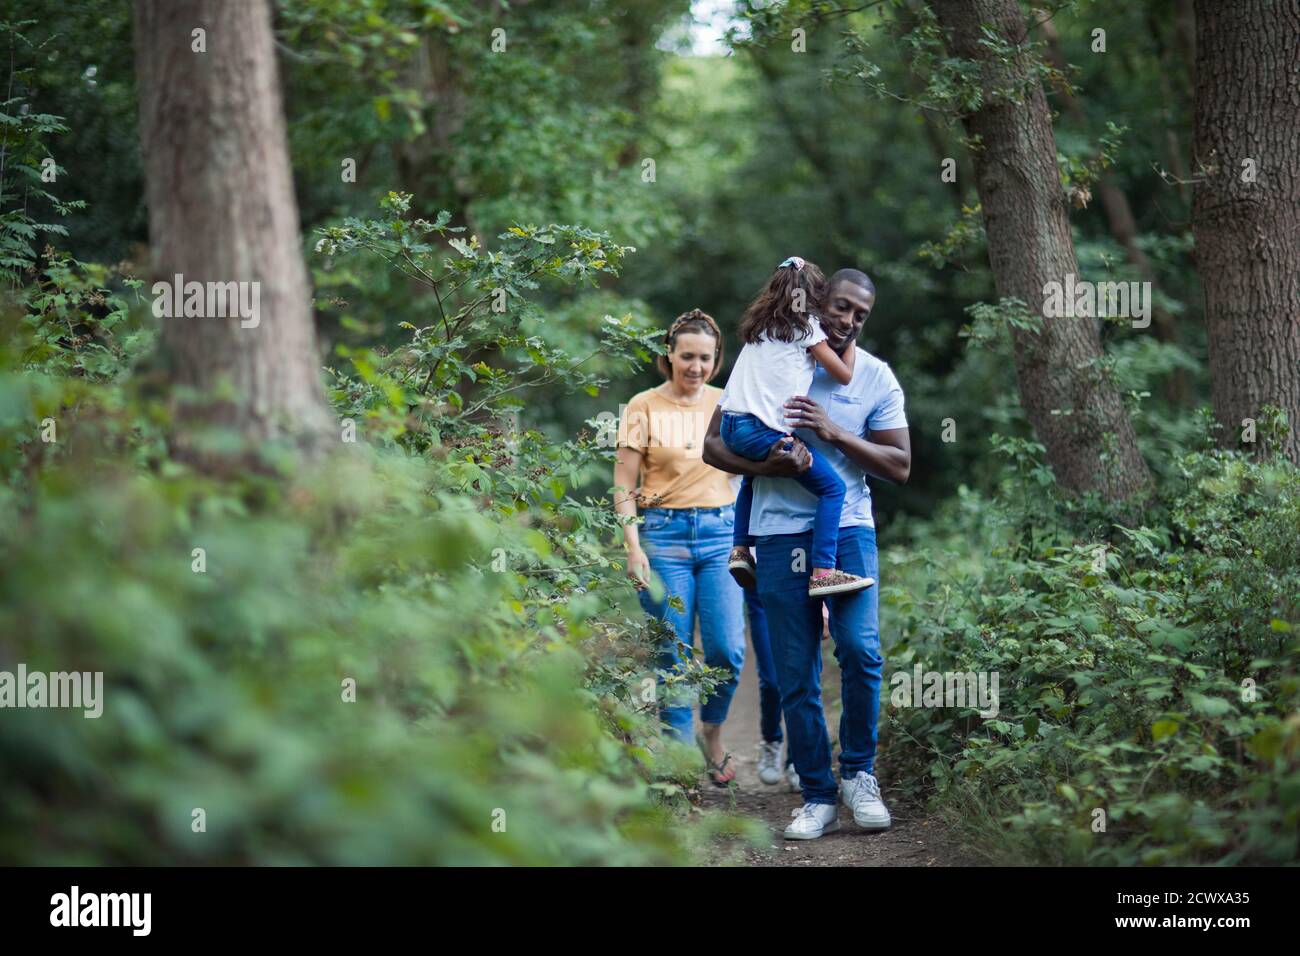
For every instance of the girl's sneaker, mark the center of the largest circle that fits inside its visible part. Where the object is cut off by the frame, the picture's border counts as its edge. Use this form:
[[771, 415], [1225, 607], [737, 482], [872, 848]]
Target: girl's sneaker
[[836, 582], [742, 567]]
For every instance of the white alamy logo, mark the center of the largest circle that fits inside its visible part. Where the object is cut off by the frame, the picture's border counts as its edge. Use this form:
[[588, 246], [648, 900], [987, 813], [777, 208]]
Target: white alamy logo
[[177, 299], [679, 428], [103, 909], [1081, 299], [946, 689], [75, 689]]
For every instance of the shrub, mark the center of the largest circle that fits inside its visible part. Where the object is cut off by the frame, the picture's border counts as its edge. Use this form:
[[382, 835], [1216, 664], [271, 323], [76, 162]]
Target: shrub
[[1148, 674]]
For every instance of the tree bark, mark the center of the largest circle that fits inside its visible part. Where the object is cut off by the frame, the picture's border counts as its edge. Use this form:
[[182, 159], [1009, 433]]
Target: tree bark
[[222, 209], [1248, 233], [1075, 409]]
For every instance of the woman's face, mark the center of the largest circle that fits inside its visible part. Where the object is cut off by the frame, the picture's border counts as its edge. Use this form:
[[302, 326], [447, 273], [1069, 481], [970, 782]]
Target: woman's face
[[691, 359]]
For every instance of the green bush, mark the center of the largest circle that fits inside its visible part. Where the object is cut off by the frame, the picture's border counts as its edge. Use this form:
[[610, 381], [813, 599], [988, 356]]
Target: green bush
[[1161, 691], [439, 563]]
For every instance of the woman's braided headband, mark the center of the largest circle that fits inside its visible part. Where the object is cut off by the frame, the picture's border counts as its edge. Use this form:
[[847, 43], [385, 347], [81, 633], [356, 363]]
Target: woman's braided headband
[[695, 315]]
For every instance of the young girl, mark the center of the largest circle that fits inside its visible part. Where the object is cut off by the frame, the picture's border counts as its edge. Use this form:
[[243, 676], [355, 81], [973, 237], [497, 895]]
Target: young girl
[[783, 342]]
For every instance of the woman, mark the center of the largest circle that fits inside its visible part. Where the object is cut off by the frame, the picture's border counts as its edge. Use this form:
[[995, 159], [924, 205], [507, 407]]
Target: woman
[[688, 513]]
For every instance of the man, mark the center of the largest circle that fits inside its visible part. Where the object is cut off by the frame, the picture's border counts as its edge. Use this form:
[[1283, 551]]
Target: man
[[861, 429]]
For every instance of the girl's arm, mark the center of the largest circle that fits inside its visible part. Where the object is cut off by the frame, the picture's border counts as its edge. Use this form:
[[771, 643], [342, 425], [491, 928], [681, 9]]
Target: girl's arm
[[840, 369]]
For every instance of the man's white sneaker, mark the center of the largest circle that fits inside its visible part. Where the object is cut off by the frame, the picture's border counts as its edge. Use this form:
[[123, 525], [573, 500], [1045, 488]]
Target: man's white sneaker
[[792, 778], [769, 762], [812, 820], [861, 794]]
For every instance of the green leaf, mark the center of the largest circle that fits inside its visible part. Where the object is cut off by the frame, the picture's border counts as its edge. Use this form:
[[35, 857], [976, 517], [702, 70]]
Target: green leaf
[[1209, 706], [1162, 729]]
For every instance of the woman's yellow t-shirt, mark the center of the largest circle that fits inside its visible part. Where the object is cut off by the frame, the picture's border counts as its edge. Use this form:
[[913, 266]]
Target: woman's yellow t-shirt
[[670, 437]]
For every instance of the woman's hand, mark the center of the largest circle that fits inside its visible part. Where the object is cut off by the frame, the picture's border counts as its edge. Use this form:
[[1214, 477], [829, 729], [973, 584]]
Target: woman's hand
[[802, 412], [638, 568]]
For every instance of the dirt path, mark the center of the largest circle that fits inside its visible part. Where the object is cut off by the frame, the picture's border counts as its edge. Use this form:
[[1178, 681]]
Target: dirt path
[[915, 839]]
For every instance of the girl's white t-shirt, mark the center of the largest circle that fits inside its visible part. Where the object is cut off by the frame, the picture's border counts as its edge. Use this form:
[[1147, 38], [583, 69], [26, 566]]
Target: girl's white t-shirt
[[768, 373]]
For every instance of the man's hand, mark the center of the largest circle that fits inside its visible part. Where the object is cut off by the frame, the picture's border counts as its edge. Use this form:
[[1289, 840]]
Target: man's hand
[[787, 458], [802, 412]]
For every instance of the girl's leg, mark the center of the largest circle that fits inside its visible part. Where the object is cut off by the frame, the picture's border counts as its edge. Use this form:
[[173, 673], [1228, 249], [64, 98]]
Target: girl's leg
[[744, 501], [824, 482]]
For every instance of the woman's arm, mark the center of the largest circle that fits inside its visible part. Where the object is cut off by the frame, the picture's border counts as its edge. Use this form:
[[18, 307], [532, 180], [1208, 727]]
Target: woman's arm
[[627, 470], [840, 369], [785, 460], [886, 454]]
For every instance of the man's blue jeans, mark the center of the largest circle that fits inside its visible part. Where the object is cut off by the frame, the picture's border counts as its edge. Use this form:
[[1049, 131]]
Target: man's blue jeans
[[688, 550], [795, 623], [750, 438]]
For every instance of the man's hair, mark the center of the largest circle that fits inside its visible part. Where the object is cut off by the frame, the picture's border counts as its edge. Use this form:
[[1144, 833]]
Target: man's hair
[[854, 277]]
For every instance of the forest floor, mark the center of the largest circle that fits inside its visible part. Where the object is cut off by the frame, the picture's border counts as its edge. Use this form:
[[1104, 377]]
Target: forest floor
[[916, 838]]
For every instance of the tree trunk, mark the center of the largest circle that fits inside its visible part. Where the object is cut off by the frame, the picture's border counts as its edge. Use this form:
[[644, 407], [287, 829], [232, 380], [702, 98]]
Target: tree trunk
[[1075, 410], [222, 210], [1248, 233]]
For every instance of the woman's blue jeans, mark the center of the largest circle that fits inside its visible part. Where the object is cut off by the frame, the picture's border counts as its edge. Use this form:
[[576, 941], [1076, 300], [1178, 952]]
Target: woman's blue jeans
[[688, 550], [750, 438]]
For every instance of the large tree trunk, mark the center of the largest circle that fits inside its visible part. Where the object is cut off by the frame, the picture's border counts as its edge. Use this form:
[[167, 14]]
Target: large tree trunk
[[1075, 410], [1248, 233], [222, 209]]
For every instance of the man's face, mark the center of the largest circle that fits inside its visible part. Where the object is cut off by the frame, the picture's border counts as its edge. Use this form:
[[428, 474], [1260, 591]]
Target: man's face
[[847, 308]]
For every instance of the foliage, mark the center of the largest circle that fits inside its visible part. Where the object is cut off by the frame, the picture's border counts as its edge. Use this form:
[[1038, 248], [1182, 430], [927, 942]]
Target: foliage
[[501, 713], [1147, 672], [25, 163]]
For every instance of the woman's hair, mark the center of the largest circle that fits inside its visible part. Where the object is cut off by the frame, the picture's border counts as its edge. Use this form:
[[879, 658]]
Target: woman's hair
[[688, 322], [781, 310]]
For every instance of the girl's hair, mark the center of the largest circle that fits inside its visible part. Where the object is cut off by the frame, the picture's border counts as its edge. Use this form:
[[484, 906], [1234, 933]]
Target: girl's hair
[[688, 322], [779, 311]]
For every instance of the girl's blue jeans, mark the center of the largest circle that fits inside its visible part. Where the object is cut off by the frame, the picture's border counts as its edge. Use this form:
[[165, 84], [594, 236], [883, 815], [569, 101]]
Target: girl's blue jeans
[[748, 437], [688, 550]]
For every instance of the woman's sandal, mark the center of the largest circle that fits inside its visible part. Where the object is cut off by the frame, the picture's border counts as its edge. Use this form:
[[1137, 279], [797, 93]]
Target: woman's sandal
[[720, 774]]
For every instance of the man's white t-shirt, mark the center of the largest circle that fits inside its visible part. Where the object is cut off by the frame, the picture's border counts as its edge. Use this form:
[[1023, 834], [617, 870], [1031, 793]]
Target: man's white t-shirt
[[768, 373]]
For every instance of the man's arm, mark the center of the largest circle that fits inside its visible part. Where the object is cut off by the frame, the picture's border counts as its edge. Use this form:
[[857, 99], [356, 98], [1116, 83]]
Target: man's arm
[[784, 460], [884, 454]]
